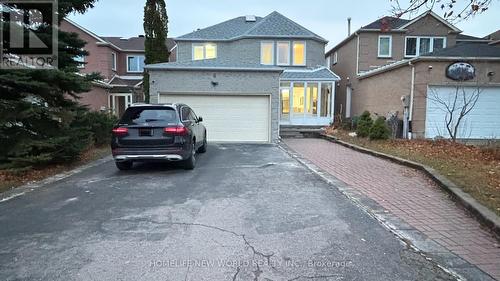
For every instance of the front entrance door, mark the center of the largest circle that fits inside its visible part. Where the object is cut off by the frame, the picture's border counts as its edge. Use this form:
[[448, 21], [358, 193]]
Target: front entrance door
[[118, 103]]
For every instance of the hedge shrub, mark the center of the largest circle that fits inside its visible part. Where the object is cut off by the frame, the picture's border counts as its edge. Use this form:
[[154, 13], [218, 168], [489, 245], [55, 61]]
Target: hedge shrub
[[365, 122], [379, 130]]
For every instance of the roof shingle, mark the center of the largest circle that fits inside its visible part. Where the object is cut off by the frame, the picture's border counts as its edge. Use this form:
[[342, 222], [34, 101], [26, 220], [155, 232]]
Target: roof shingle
[[387, 22], [273, 25], [469, 49]]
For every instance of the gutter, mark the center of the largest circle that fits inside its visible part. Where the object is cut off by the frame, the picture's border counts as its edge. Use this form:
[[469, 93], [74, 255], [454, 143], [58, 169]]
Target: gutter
[[208, 68]]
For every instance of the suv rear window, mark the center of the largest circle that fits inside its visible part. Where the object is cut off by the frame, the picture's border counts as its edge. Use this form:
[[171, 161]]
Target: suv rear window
[[140, 115]]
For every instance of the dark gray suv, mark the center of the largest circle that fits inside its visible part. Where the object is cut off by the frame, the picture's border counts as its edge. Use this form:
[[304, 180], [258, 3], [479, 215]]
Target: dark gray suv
[[165, 132]]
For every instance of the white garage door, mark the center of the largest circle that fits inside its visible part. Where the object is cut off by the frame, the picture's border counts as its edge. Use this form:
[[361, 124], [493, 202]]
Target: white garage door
[[229, 118], [483, 121]]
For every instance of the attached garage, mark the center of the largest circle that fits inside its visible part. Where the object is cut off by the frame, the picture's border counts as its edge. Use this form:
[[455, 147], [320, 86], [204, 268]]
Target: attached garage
[[229, 118], [482, 122]]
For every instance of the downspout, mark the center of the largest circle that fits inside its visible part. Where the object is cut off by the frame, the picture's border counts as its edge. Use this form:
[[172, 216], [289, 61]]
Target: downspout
[[357, 53], [412, 90]]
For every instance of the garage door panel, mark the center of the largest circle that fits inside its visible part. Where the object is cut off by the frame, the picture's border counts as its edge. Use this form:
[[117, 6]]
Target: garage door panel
[[482, 122], [229, 118]]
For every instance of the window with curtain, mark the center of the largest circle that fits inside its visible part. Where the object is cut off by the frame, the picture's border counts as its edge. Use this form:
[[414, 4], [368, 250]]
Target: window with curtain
[[384, 46], [283, 53]]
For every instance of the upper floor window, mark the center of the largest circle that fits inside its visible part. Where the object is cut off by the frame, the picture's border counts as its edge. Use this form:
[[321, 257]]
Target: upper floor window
[[135, 63], [299, 53], [204, 51], [328, 61], [385, 46], [335, 57], [113, 61], [416, 46], [283, 53], [267, 53]]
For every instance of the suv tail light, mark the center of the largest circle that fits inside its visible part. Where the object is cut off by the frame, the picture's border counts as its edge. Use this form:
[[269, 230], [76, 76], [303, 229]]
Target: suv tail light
[[179, 130], [120, 131]]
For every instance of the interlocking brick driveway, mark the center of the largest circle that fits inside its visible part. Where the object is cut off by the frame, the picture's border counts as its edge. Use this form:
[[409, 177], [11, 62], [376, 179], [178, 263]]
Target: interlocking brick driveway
[[410, 195]]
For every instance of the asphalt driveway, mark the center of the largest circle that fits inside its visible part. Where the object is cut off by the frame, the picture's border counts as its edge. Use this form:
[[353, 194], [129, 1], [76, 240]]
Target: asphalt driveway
[[247, 212]]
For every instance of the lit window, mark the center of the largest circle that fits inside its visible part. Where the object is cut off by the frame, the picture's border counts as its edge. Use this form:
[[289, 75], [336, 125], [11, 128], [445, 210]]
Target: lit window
[[135, 63], [416, 46], [267, 53], [210, 51], [283, 53], [204, 51], [299, 53], [384, 46]]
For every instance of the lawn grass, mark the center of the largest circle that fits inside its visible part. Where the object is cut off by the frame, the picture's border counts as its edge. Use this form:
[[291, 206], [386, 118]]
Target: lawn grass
[[474, 169], [10, 179]]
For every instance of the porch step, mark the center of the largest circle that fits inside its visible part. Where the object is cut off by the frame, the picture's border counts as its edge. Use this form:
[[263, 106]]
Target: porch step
[[294, 131]]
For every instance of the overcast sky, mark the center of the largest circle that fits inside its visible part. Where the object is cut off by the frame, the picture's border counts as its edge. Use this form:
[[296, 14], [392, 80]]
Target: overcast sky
[[324, 17]]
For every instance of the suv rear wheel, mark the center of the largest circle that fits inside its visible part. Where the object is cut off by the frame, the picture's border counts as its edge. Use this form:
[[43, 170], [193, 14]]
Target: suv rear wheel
[[190, 163], [127, 165]]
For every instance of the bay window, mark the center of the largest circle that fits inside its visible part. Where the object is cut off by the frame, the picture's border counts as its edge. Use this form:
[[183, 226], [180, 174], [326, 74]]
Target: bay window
[[419, 45]]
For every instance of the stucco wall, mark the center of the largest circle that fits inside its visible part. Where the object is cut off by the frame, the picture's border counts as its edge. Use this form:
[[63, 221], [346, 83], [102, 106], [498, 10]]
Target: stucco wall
[[247, 51], [234, 82]]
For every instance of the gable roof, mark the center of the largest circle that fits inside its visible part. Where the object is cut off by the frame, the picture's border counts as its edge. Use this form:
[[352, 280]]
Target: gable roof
[[389, 22], [274, 25], [393, 24]]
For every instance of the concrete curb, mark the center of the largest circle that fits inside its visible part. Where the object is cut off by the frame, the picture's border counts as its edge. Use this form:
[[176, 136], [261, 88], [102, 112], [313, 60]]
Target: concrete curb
[[483, 214]]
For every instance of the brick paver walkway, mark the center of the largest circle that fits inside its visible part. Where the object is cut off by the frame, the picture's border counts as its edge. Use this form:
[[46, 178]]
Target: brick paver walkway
[[410, 195]]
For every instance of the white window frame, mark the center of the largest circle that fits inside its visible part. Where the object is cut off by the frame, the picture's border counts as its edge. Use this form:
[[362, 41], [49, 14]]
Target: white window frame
[[335, 57], [133, 71], [328, 61], [113, 61], [293, 53], [417, 49], [262, 52], [204, 46], [390, 46], [278, 53]]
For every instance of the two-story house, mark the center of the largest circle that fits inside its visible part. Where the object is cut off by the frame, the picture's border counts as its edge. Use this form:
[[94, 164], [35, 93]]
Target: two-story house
[[120, 61], [394, 65], [249, 75]]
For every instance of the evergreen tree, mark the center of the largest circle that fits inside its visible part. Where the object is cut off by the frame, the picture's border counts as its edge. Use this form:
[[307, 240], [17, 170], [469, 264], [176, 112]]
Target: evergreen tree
[[365, 122], [38, 111], [155, 33]]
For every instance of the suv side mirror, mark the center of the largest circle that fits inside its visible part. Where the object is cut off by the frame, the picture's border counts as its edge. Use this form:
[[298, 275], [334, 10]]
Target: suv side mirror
[[200, 119]]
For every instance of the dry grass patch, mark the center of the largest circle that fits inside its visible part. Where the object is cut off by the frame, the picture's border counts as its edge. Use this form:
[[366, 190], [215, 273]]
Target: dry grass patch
[[10, 179]]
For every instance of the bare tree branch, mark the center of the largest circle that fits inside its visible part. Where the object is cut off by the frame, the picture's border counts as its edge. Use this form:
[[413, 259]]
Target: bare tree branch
[[453, 10]]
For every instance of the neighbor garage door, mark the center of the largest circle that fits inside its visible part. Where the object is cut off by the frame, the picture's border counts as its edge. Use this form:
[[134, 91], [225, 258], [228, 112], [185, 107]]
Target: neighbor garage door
[[482, 122], [229, 118]]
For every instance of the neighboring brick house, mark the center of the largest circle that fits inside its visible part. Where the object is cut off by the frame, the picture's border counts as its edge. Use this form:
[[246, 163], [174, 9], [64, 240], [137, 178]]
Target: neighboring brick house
[[120, 61], [249, 75], [393, 59]]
